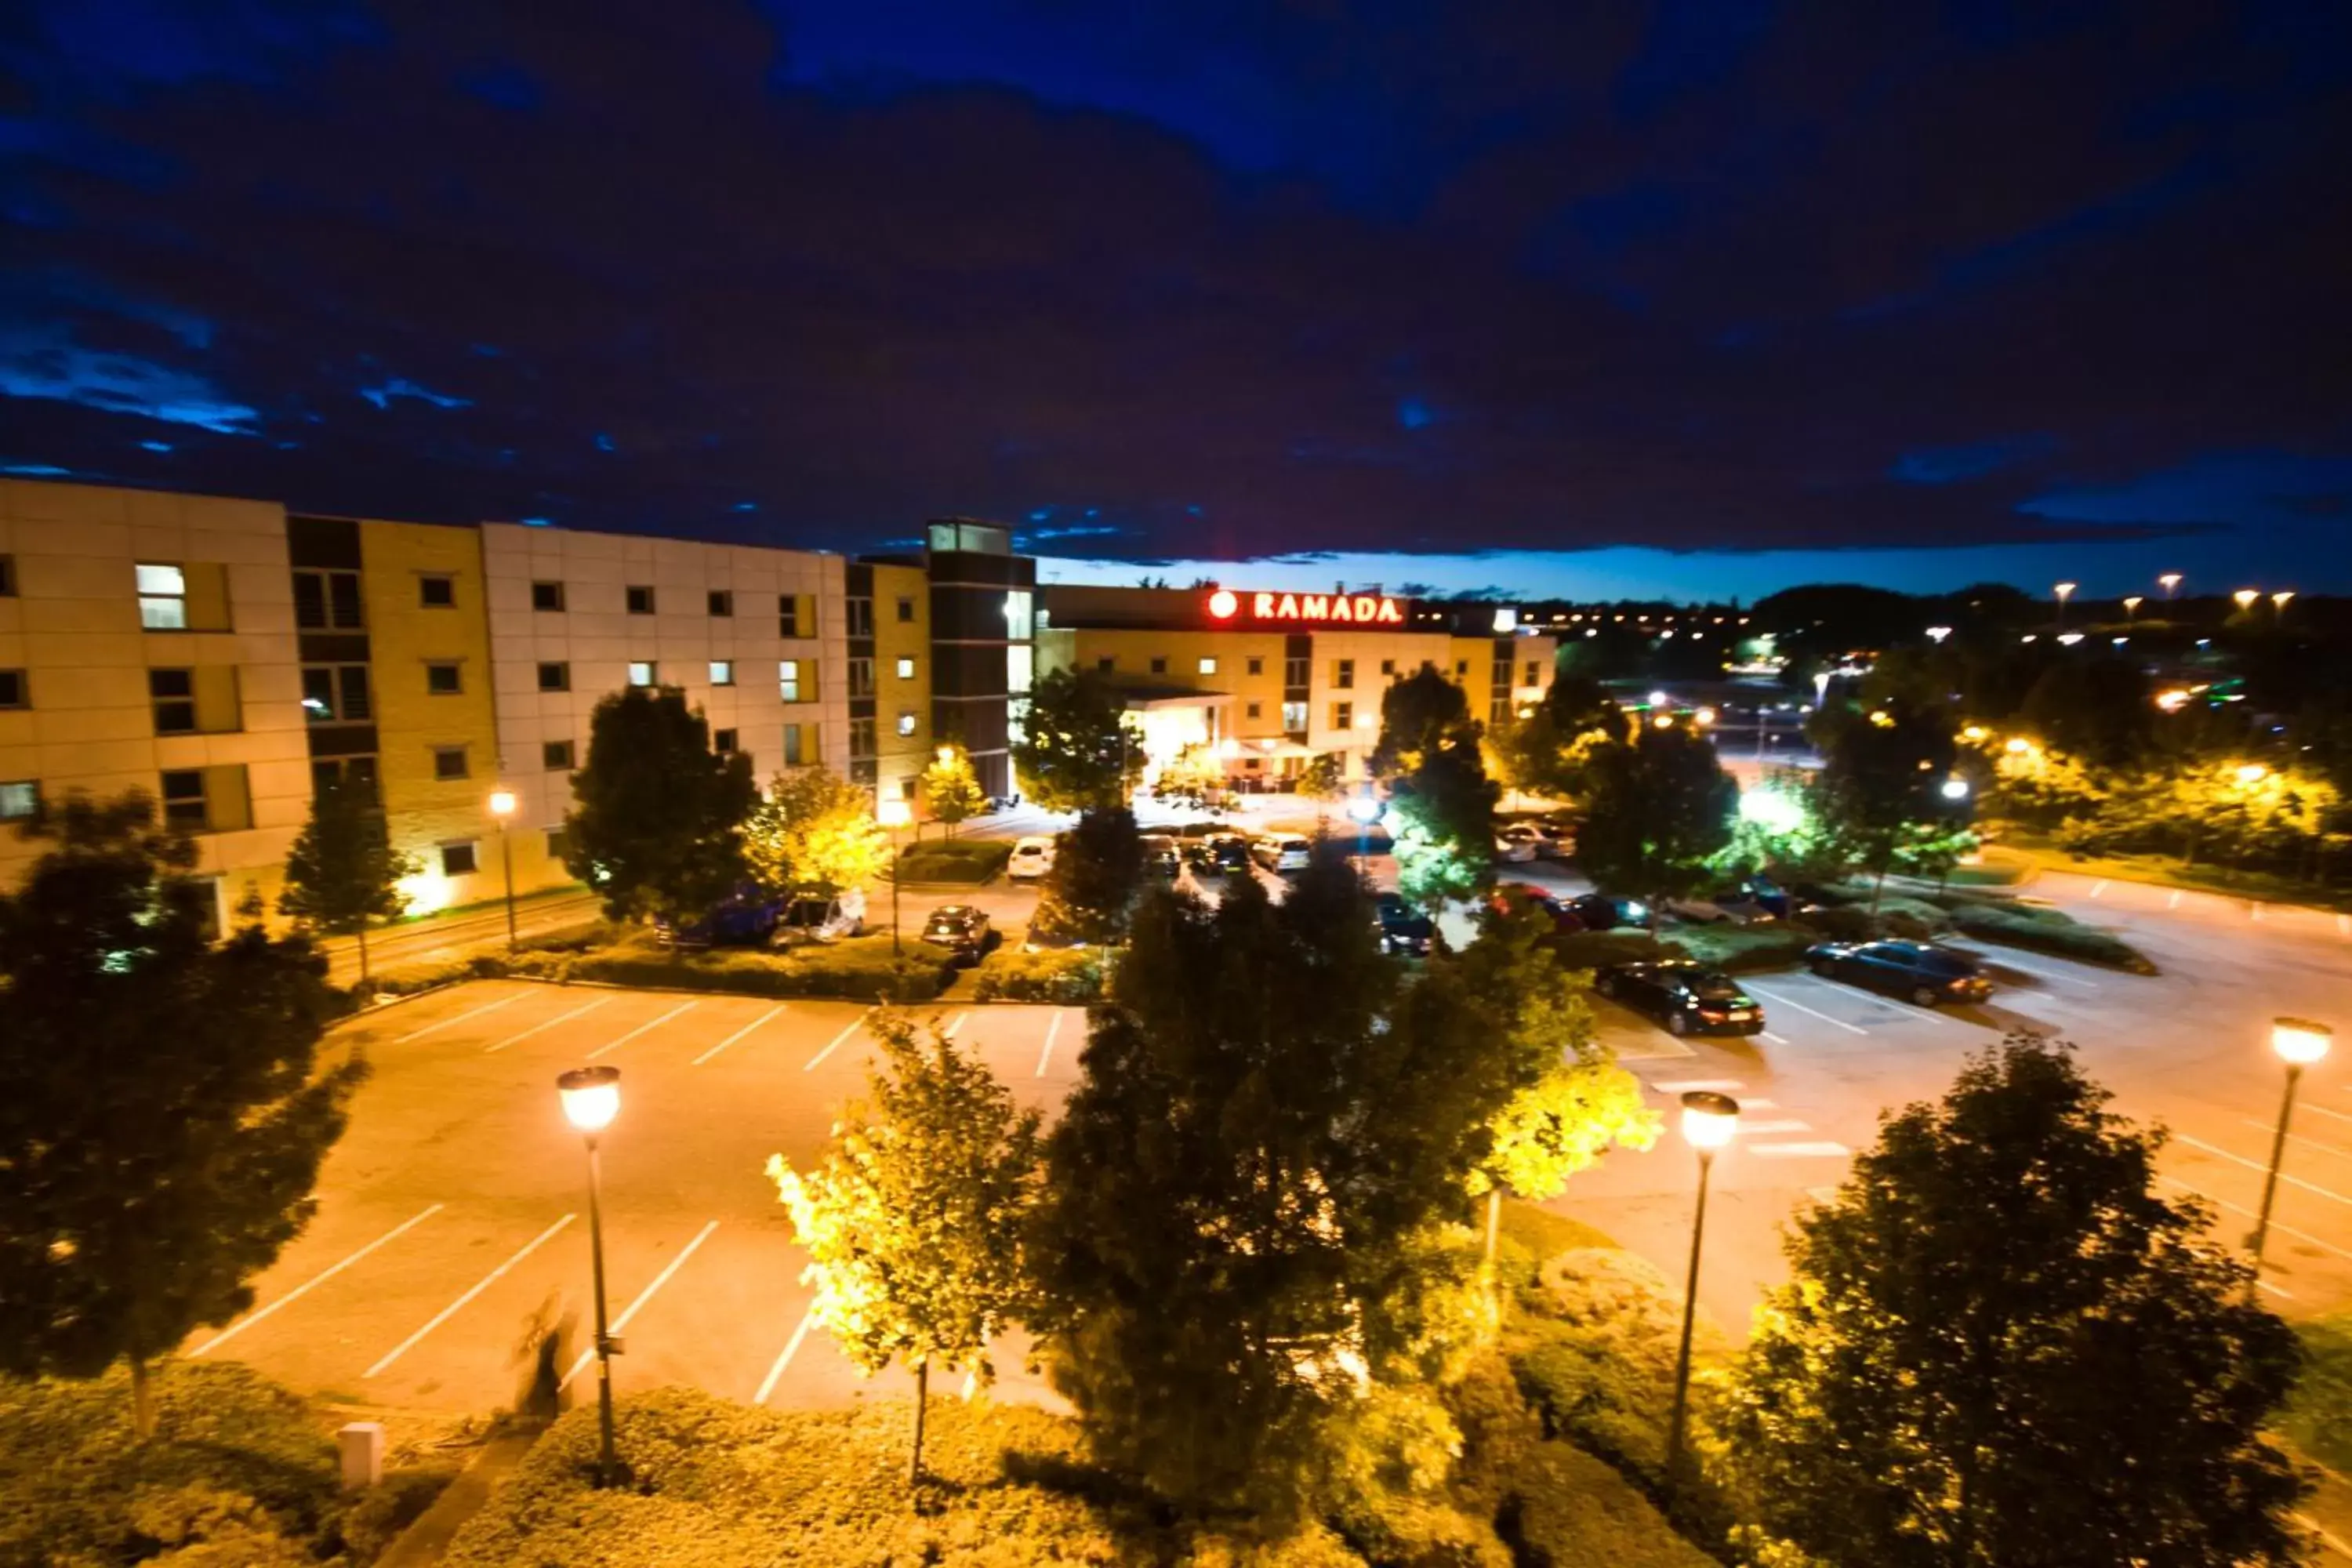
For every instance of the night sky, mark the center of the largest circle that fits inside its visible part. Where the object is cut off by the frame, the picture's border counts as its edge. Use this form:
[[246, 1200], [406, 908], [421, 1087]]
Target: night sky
[[1901, 292]]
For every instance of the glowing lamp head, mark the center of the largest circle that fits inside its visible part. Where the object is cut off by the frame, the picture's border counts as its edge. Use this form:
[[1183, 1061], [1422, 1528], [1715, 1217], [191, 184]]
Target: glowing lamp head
[[2168, 581], [2017, 745], [944, 755], [1223, 603], [1664, 721], [2064, 590], [502, 803], [1364, 809], [893, 812], [1974, 734], [2251, 772], [1709, 1119], [2246, 597], [1937, 634], [2299, 1042], [1703, 718], [2278, 600], [1955, 789], [1657, 699], [591, 1097], [2132, 602]]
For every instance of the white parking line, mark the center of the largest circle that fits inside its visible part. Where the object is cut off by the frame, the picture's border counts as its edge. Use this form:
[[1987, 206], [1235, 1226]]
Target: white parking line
[[641, 1028], [2098, 887], [1822, 1195], [487, 1280], [1800, 1007], [1823, 1149], [2002, 957], [1747, 1129], [2303, 1235], [2330, 1542], [470, 1013], [1046, 1053], [954, 1024], [2173, 902], [2257, 1165], [792, 1347], [643, 1295], [1769, 1034], [535, 1028], [855, 1024], [737, 1035], [2322, 1145], [1684, 1085], [313, 1282], [2323, 1110]]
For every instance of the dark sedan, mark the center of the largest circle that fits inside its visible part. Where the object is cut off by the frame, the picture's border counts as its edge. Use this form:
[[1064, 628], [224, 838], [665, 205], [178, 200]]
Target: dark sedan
[[1682, 995], [1217, 855], [1402, 928], [1919, 971], [1605, 911], [963, 930]]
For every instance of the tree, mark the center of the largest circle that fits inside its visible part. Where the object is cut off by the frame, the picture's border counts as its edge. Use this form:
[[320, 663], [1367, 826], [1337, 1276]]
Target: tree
[[1883, 772], [1657, 808], [1323, 779], [1097, 869], [951, 792], [2001, 1346], [1249, 1237], [342, 870], [657, 816], [1078, 751], [1441, 801], [912, 1219], [1547, 751], [162, 1111], [815, 829], [1192, 776]]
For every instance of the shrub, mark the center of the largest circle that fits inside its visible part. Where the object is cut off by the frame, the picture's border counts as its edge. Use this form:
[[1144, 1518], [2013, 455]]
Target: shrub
[[1743, 950], [1072, 975], [1592, 949], [2047, 930], [2319, 1418], [960, 860], [241, 1471], [860, 969]]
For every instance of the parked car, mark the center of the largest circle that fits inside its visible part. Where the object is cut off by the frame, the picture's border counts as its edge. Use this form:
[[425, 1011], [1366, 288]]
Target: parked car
[[1919, 971], [746, 919], [1402, 928], [1563, 916], [1159, 858], [1724, 905], [1032, 857], [1517, 844], [1606, 911], [1684, 995], [1217, 854], [963, 930], [817, 916], [1281, 852]]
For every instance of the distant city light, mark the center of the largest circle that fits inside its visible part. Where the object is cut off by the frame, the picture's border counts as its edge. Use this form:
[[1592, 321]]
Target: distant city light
[[1956, 789], [1937, 634]]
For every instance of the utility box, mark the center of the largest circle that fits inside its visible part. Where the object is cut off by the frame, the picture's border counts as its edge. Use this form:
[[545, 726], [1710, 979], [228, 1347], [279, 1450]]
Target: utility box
[[363, 1446]]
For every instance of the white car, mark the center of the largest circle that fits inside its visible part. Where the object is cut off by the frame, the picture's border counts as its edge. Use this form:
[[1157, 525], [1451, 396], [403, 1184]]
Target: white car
[[816, 916], [1282, 852], [1521, 843], [1032, 857], [1730, 907]]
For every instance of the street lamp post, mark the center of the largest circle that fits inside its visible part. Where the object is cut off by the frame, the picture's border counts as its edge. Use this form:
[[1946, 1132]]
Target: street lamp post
[[2064, 591], [2299, 1042], [1366, 811], [2244, 597], [893, 813], [1708, 1121], [591, 1097], [503, 806], [2132, 602], [2170, 583]]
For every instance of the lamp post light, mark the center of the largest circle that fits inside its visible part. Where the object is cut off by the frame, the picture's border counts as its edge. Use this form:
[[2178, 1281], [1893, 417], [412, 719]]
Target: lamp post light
[[894, 814], [2132, 602], [2170, 583], [1366, 811], [1709, 1119], [503, 806], [2299, 1042], [591, 1097], [2279, 599], [2245, 597], [2064, 591]]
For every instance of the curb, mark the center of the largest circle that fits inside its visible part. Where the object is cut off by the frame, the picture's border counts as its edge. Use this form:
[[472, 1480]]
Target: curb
[[426, 1539]]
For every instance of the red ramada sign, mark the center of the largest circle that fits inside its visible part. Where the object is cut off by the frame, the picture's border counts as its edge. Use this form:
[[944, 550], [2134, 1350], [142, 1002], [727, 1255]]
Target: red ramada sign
[[1335, 609]]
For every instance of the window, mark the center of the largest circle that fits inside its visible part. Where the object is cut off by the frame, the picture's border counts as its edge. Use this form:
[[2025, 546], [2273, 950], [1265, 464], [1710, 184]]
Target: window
[[640, 599], [19, 798], [343, 772], [796, 753], [722, 603], [1258, 667], [14, 691], [906, 669], [907, 788], [1255, 709], [1158, 667], [1105, 665], [184, 799], [555, 756], [558, 844], [722, 672], [788, 681], [336, 694], [906, 610], [323, 601], [861, 738], [1343, 715], [723, 742], [1208, 666], [555, 678], [906, 721], [448, 762], [1294, 718], [443, 680], [641, 672], [788, 617], [457, 859], [436, 593], [1294, 674], [1387, 667], [860, 614], [174, 692], [163, 597], [8, 576], [861, 677], [1534, 673], [547, 595], [1343, 674], [1461, 670]]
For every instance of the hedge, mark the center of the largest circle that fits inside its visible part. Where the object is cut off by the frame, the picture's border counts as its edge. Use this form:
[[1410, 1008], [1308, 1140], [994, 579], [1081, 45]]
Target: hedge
[[241, 1471], [859, 969], [1069, 975], [967, 861], [2047, 930]]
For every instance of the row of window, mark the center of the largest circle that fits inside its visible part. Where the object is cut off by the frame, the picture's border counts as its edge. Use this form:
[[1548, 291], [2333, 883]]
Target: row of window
[[1343, 670]]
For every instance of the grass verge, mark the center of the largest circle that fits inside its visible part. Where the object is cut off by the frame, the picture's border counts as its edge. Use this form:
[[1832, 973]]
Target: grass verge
[[1069, 975], [965, 862], [2319, 1419]]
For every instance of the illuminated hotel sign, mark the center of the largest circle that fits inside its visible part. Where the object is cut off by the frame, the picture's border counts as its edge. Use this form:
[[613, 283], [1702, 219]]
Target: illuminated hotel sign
[[1319, 610]]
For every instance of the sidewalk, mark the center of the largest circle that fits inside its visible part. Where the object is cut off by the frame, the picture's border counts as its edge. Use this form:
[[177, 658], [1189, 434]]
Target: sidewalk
[[423, 1542], [458, 933]]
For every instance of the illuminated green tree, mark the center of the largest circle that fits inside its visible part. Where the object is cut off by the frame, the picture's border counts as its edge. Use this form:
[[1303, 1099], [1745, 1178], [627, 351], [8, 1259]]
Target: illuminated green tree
[[656, 816], [815, 829], [1658, 808], [912, 1217], [342, 871], [1078, 750], [1193, 776], [951, 789], [1441, 801]]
